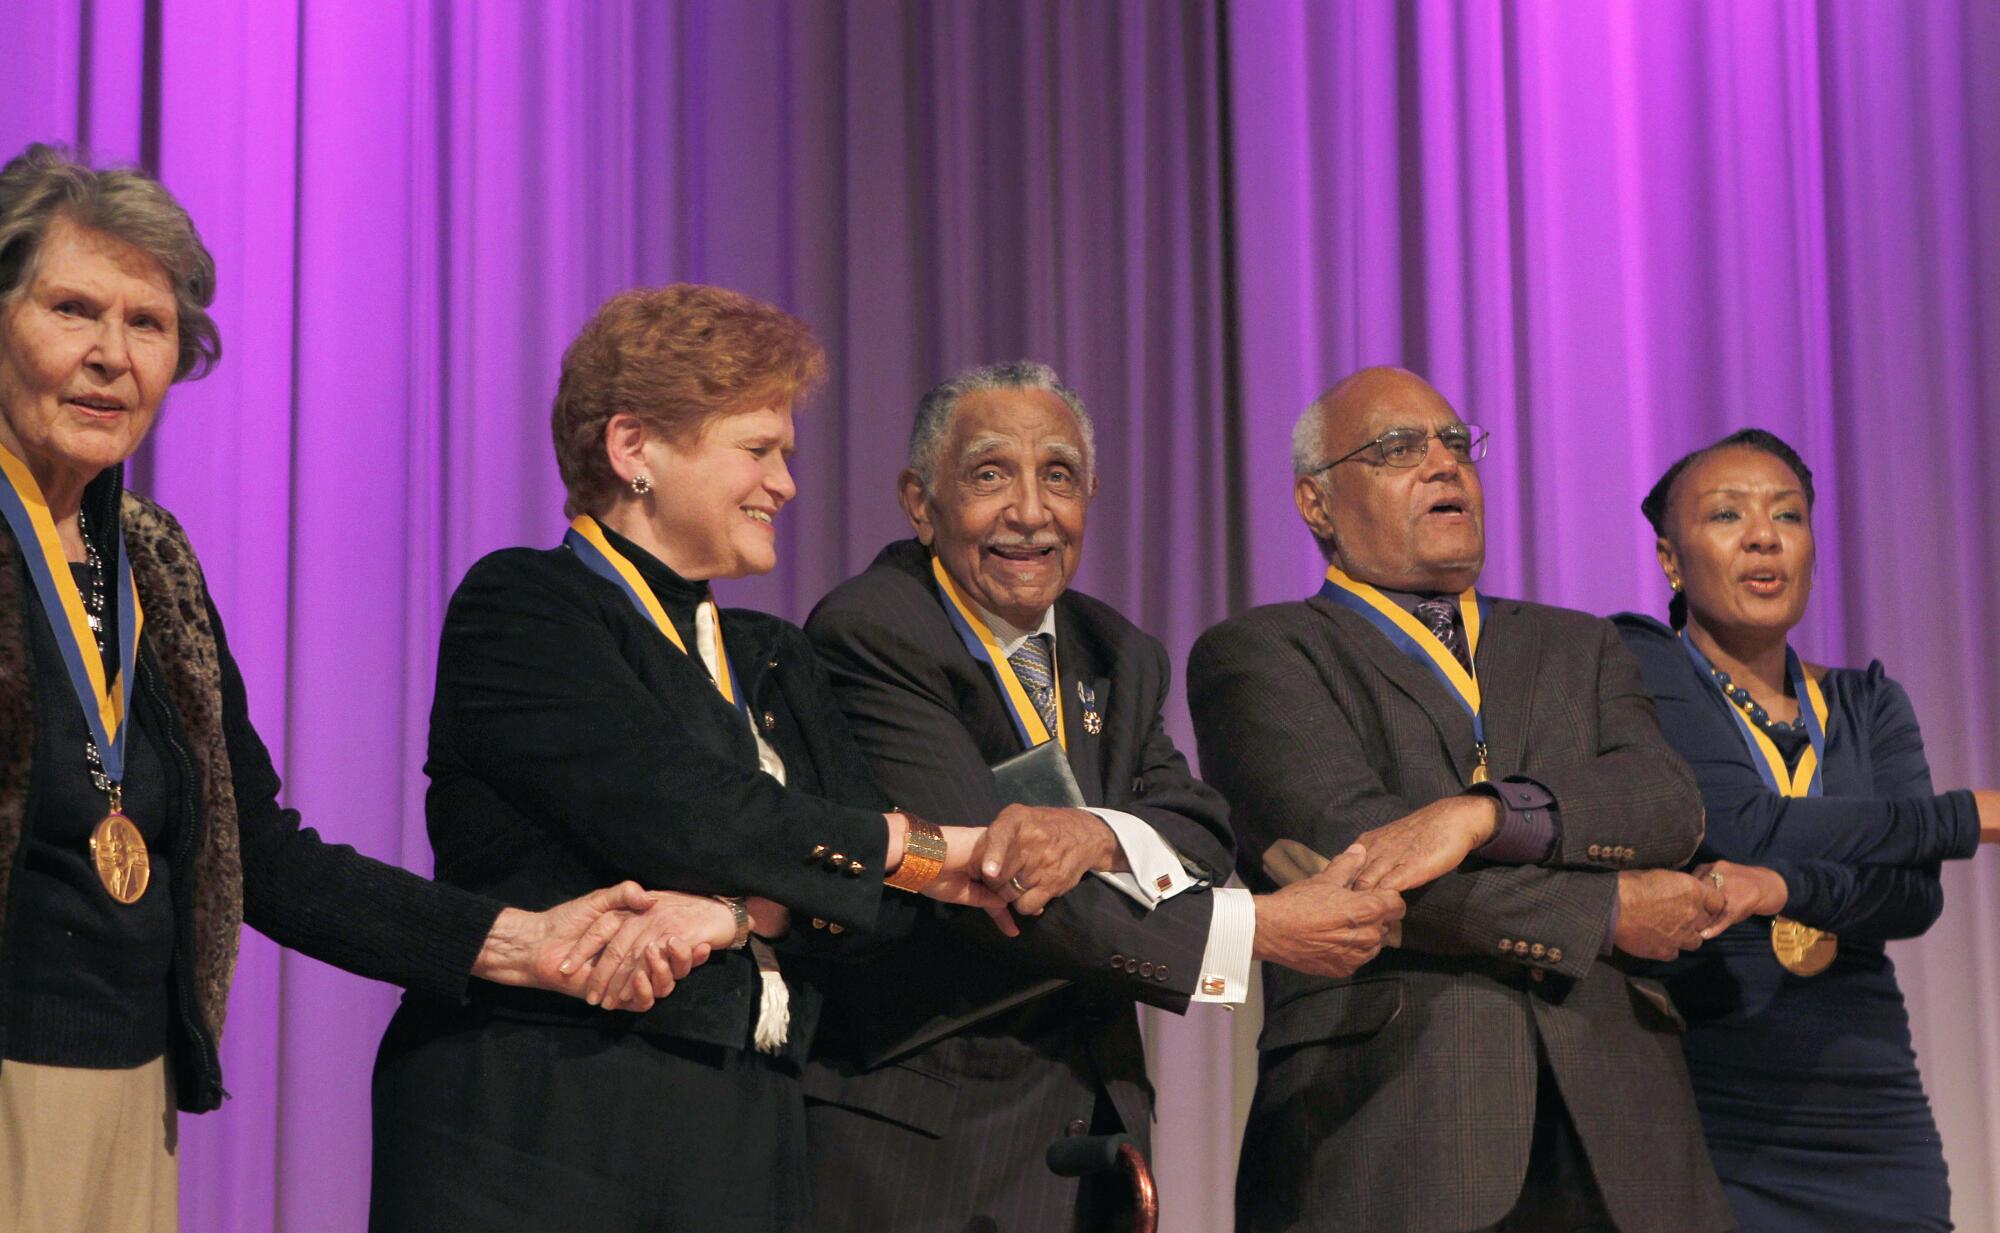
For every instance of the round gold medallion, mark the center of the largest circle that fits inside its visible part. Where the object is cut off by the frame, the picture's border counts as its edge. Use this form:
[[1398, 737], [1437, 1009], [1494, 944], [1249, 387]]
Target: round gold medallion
[[119, 852], [1802, 949]]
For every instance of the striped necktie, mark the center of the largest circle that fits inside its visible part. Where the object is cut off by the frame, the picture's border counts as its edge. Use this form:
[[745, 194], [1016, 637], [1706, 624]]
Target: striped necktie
[[1034, 664]]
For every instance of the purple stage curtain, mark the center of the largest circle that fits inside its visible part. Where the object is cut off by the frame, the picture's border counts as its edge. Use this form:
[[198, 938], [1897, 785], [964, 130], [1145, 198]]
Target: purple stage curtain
[[1610, 232], [1614, 232]]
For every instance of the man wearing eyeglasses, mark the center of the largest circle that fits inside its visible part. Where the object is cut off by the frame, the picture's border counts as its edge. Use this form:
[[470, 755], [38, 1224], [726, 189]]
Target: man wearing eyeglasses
[[1501, 764]]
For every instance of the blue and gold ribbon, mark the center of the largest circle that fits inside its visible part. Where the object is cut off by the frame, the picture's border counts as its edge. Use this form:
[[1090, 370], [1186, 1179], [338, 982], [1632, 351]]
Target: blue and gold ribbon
[[587, 540], [106, 703], [985, 648], [1800, 948], [1804, 779], [1409, 636]]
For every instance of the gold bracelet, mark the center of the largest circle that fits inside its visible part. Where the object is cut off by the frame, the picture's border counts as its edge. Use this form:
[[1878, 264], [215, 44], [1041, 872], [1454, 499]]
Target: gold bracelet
[[924, 853], [741, 912]]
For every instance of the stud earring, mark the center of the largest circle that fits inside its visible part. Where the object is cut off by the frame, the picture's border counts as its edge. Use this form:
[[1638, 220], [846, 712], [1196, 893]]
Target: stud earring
[[1675, 584], [642, 484]]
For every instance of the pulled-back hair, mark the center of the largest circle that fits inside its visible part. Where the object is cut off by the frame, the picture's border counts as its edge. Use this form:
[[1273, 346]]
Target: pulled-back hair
[[44, 183], [1654, 507], [675, 357]]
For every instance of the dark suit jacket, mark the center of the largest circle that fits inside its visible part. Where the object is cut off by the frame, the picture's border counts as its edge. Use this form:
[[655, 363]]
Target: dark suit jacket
[[572, 747], [1403, 1098], [953, 1134]]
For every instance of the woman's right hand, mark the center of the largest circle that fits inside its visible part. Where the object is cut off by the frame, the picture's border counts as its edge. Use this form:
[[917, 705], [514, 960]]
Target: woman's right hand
[[644, 954], [958, 881], [1747, 891]]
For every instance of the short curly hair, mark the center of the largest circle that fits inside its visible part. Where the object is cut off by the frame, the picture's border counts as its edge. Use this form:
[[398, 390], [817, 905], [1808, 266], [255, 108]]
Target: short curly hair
[[45, 183], [676, 357]]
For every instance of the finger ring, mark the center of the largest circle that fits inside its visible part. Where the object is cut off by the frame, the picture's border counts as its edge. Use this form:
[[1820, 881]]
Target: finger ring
[[1019, 889], [1715, 876]]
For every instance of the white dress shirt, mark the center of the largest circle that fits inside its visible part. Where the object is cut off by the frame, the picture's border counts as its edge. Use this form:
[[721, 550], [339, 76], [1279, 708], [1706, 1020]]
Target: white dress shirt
[[1157, 872]]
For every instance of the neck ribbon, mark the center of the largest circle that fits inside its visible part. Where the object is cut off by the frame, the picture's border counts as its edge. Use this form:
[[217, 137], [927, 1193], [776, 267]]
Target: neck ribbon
[[1409, 636], [105, 702], [979, 640], [587, 540], [1805, 780]]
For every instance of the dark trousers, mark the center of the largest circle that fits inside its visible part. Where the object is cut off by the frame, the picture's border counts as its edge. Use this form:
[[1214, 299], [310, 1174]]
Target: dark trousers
[[1559, 1194], [496, 1126]]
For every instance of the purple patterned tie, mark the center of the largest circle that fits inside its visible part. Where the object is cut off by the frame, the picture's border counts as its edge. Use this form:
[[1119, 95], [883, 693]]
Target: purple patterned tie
[[1441, 617]]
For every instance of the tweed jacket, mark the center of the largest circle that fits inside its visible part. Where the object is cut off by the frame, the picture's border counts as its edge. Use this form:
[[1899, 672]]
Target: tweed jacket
[[238, 854], [971, 1112], [1402, 1098]]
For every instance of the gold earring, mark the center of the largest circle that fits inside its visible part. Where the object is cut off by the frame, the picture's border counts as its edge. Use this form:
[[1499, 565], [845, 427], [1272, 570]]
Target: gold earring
[[642, 484], [1675, 583]]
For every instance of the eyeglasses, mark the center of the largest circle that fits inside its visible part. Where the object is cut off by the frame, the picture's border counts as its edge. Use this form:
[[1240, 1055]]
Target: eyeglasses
[[1406, 447]]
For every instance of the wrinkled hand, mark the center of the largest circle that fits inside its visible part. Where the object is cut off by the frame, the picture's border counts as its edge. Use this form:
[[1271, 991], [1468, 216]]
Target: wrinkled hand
[[534, 949], [958, 882], [1662, 912], [1747, 891], [1426, 844], [1030, 854], [1321, 924], [638, 957]]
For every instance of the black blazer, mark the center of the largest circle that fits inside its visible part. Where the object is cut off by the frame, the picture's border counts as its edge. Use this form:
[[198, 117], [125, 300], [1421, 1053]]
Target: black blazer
[[572, 746], [1403, 1098], [979, 1106]]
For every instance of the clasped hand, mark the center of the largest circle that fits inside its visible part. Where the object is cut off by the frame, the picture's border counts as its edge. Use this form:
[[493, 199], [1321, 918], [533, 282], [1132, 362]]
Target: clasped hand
[[622, 947], [1427, 843], [1031, 855]]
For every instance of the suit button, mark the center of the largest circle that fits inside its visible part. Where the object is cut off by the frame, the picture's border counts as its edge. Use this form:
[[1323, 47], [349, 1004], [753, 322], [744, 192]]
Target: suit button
[[772, 664], [1077, 1126], [1630, 854], [819, 922], [1506, 944], [1537, 975], [836, 927], [1145, 969], [1537, 950], [1160, 972], [1117, 961], [837, 860], [819, 852], [855, 869], [1131, 965], [770, 721], [1520, 948], [1555, 954], [1596, 850]]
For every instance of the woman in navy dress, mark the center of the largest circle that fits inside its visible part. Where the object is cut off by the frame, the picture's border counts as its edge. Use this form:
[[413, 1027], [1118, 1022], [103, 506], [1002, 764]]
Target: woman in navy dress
[[1825, 833]]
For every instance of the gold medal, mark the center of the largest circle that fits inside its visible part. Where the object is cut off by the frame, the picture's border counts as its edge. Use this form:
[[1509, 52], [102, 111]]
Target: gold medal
[[1802, 949], [119, 852], [1479, 774]]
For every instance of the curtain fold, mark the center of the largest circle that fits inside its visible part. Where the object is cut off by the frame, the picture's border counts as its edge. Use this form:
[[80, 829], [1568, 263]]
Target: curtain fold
[[1609, 233]]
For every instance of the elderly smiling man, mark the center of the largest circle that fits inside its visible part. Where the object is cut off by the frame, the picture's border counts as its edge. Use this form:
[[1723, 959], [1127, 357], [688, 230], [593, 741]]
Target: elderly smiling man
[[949, 1063], [1501, 764]]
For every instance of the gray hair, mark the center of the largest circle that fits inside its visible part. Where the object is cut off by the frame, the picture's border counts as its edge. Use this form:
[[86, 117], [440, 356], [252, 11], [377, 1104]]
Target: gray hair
[[936, 407], [1309, 459], [1309, 438], [44, 183]]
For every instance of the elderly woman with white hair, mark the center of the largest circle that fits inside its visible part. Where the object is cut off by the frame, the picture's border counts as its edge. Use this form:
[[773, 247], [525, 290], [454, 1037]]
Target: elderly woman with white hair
[[139, 819]]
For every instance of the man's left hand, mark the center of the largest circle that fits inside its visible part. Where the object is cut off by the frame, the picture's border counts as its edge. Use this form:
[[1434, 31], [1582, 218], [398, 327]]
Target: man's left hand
[[1032, 854], [1426, 844]]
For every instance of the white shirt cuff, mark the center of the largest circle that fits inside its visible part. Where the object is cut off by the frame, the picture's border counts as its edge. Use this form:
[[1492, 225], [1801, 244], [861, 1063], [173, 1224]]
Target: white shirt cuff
[[1156, 869], [1225, 961]]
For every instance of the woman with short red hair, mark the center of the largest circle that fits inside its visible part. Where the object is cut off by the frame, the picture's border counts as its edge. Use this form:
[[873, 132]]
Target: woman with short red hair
[[597, 712]]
